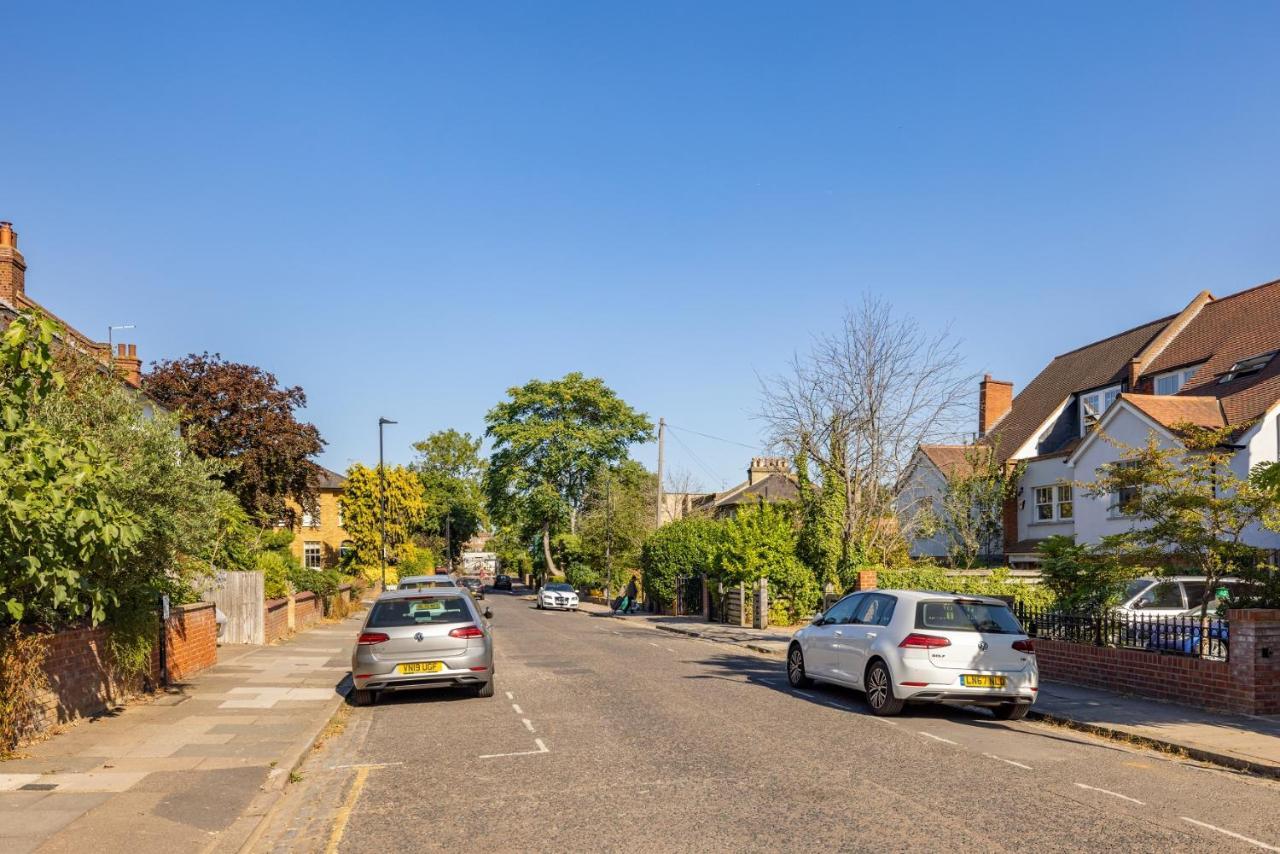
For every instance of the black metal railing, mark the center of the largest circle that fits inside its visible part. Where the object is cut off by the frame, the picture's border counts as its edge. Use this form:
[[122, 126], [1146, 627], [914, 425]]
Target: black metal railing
[[1172, 635]]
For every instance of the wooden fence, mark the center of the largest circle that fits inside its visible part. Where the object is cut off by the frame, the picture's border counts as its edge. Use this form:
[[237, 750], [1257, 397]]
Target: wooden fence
[[240, 597]]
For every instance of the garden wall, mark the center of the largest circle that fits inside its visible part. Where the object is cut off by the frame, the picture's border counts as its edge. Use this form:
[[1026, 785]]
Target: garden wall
[[1248, 683], [275, 619]]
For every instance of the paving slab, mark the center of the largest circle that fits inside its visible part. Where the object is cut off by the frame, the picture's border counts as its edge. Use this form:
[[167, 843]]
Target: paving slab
[[194, 770]]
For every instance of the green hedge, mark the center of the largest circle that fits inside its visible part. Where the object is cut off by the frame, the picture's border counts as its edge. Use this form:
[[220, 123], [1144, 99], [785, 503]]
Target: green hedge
[[999, 583]]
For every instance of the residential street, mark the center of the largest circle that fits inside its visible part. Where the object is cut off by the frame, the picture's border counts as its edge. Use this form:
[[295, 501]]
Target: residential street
[[609, 735]]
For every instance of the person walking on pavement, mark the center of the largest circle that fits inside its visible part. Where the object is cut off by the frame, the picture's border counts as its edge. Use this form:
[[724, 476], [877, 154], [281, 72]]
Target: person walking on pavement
[[629, 597]]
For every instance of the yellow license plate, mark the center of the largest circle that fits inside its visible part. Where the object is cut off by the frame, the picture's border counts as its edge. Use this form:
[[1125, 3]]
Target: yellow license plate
[[980, 681], [421, 667]]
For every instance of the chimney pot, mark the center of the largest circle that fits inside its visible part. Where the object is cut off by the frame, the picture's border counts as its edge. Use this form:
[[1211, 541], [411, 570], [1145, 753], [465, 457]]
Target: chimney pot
[[133, 351], [121, 351]]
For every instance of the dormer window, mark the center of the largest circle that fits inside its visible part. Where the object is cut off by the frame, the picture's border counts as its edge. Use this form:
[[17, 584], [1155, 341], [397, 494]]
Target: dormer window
[[1093, 404], [1172, 382], [1246, 367]]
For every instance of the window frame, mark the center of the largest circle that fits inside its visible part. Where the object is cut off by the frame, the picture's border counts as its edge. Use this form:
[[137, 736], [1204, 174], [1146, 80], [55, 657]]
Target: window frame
[[307, 554], [1182, 376], [1054, 503], [1118, 497], [1104, 396]]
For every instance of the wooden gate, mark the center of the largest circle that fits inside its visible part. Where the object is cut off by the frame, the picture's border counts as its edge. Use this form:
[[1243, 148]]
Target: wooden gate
[[239, 595]]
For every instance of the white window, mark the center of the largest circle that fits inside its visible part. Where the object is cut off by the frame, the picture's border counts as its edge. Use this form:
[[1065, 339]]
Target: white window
[[1124, 497], [311, 520], [340, 514], [1053, 503], [312, 554], [1172, 382], [1093, 404]]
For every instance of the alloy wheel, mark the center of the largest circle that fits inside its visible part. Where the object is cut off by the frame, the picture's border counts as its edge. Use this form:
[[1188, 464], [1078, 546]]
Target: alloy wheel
[[877, 687]]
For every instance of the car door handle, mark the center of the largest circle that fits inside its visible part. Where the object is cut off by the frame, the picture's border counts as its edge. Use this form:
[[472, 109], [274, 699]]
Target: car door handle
[[871, 634], [839, 633]]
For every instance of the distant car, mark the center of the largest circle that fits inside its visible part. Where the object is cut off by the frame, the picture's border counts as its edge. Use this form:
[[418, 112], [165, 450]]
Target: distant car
[[1172, 595], [426, 582], [502, 582], [912, 646], [475, 585], [428, 638], [558, 596]]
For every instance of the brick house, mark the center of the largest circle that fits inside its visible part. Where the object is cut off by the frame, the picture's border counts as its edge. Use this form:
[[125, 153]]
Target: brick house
[[319, 537], [14, 300], [1211, 364], [769, 479]]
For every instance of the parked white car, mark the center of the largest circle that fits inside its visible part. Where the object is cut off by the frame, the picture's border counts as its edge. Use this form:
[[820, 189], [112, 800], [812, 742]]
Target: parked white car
[[1172, 595], [912, 646], [558, 596]]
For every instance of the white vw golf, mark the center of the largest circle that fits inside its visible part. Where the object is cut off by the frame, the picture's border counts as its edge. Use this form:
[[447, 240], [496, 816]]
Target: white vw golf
[[913, 646]]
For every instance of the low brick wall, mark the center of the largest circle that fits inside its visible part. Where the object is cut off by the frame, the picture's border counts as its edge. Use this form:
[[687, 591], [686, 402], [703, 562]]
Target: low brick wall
[[1248, 683], [306, 611], [82, 681], [275, 620]]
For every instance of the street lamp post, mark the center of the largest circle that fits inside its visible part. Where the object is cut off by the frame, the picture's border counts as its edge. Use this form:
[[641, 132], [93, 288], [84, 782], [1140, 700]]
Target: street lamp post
[[382, 515]]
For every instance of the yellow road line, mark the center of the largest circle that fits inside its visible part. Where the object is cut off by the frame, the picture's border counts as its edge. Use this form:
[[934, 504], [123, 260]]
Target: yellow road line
[[344, 814]]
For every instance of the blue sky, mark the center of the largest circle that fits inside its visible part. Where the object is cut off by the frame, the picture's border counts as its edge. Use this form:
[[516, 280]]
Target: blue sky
[[408, 207]]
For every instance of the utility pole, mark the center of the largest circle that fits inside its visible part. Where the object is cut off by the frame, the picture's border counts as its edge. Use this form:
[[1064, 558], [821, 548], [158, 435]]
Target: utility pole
[[662, 441], [382, 515]]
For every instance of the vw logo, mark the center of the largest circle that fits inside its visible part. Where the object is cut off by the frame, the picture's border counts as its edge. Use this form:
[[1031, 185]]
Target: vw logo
[[982, 645], [418, 637]]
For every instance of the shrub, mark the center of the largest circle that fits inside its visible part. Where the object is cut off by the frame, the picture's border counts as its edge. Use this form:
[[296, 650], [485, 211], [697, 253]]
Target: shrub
[[687, 546], [276, 570], [999, 583], [21, 681]]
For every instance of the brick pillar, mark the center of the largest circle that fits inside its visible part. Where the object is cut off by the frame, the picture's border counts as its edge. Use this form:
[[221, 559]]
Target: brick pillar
[[866, 580], [291, 611], [1254, 659]]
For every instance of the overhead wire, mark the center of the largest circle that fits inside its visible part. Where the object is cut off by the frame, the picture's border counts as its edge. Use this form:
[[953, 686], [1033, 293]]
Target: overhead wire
[[717, 438], [699, 461]]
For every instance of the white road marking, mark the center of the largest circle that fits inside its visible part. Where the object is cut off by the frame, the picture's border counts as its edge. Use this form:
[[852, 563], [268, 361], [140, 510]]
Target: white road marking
[[939, 738], [542, 748], [528, 724], [670, 650], [1264, 846], [519, 711], [802, 694], [651, 643], [510, 696], [1008, 761], [1113, 794]]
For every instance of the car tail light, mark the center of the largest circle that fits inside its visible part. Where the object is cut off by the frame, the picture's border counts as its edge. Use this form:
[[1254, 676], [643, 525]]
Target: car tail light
[[466, 632], [915, 640], [371, 638], [1027, 646]]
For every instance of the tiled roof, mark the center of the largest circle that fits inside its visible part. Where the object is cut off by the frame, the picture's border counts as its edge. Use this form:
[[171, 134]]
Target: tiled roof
[[774, 487], [1101, 363], [1174, 410], [329, 479], [1227, 331], [953, 459]]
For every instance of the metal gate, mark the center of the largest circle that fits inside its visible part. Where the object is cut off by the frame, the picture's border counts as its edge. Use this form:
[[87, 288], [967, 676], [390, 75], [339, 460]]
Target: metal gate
[[688, 601]]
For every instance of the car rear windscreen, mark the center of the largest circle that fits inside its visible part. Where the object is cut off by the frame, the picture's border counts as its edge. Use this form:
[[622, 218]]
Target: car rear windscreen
[[425, 585], [962, 616], [417, 612]]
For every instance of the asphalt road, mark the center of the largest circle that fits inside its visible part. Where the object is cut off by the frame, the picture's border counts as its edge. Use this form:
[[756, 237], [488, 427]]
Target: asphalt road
[[607, 735]]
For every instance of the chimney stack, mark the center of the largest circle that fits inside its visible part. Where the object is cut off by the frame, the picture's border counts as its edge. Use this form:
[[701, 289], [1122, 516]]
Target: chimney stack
[[995, 399], [762, 467], [13, 267], [128, 365]]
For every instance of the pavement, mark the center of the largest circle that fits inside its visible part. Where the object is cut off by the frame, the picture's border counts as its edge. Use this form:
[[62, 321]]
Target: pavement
[[1245, 742], [195, 769], [610, 735]]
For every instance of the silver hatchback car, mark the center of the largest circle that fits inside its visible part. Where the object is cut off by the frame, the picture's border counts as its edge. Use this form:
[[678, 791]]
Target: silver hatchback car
[[428, 638]]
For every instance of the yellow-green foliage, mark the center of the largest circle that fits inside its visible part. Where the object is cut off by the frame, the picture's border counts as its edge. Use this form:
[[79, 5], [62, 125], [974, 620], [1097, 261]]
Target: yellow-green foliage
[[998, 583]]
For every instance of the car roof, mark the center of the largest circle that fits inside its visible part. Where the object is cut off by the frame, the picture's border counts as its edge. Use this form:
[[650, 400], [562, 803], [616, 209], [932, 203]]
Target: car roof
[[1185, 578], [420, 594], [413, 578]]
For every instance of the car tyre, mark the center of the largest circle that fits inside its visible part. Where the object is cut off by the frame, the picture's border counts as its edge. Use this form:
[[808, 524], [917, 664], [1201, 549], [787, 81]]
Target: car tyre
[[879, 691], [795, 668], [363, 697], [1011, 711], [485, 690]]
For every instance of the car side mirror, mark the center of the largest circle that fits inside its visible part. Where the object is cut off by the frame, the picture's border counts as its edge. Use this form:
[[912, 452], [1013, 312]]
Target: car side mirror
[[488, 614], [819, 620]]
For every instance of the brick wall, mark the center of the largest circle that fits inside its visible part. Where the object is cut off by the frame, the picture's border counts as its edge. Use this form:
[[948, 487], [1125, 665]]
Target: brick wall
[[82, 681], [1248, 683], [306, 610], [276, 620]]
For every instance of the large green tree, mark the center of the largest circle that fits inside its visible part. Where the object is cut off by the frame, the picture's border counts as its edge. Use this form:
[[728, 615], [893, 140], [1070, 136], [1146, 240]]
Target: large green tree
[[365, 521], [617, 515], [549, 438], [241, 415], [452, 473]]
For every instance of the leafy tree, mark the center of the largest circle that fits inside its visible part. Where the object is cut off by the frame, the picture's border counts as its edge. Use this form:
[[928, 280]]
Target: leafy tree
[[549, 438], [239, 414], [617, 515], [820, 544], [1081, 576], [971, 509], [362, 513], [1189, 510], [452, 474], [688, 546], [514, 551], [760, 542], [66, 541]]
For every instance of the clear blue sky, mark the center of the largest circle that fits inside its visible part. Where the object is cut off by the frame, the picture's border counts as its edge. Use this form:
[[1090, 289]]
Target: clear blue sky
[[408, 207]]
